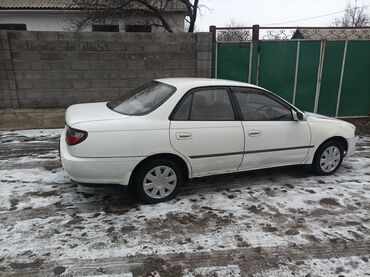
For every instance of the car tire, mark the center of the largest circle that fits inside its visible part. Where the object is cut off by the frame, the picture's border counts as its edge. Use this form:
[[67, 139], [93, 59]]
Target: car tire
[[328, 158], [158, 181]]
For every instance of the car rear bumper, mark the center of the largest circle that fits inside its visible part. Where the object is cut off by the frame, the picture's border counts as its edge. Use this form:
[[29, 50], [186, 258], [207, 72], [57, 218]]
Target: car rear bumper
[[97, 170], [351, 146]]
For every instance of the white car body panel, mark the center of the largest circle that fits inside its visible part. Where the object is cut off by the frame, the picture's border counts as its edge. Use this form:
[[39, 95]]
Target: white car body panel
[[324, 128], [101, 170], [207, 142], [292, 137], [91, 112], [124, 141], [117, 143]]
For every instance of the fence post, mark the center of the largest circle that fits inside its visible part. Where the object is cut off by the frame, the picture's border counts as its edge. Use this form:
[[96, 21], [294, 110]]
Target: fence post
[[341, 77], [250, 62], [255, 32], [319, 75], [296, 71], [212, 30], [254, 55]]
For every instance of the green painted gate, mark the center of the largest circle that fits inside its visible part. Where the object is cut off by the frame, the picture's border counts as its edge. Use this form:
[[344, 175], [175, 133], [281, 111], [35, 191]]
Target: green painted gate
[[331, 77]]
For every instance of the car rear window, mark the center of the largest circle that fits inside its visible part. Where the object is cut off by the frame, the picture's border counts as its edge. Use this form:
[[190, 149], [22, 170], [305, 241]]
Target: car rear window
[[142, 100]]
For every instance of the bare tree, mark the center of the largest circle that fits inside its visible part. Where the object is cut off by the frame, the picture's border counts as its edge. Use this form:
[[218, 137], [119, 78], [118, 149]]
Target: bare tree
[[149, 12], [192, 7], [234, 34], [354, 16]]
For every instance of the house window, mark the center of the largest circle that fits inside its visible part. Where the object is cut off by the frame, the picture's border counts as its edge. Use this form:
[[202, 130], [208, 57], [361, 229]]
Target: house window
[[17, 27], [105, 28], [138, 28]]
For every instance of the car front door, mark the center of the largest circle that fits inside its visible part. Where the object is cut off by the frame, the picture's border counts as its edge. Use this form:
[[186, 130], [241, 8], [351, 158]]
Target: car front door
[[204, 129], [272, 136]]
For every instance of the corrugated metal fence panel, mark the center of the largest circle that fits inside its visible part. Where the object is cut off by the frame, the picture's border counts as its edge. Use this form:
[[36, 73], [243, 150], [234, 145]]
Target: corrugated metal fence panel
[[274, 66], [309, 56], [355, 96], [276, 70], [330, 82], [233, 61]]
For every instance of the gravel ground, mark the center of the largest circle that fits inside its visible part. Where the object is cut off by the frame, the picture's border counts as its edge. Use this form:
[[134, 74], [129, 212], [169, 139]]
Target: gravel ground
[[274, 222]]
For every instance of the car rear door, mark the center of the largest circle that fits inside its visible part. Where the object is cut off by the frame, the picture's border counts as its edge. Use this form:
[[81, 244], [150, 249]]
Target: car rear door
[[272, 136], [204, 128]]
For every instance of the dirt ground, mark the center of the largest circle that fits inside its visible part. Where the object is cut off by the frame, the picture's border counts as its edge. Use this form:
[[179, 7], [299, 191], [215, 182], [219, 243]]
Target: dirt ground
[[276, 222]]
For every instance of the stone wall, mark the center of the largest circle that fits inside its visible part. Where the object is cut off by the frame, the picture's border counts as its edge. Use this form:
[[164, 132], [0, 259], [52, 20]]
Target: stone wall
[[57, 69]]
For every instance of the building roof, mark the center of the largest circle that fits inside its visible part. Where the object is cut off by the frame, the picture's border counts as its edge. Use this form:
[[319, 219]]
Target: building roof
[[35, 4], [332, 33], [63, 5]]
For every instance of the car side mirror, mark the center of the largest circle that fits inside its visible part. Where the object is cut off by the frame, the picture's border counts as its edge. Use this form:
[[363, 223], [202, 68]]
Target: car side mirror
[[298, 116]]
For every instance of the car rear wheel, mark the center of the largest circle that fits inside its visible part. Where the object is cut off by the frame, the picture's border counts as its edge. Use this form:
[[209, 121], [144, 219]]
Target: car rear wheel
[[328, 158], [158, 181]]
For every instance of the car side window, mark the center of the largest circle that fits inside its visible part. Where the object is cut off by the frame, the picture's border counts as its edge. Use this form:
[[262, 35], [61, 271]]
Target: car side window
[[256, 106], [211, 105], [206, 105], [183, 111]]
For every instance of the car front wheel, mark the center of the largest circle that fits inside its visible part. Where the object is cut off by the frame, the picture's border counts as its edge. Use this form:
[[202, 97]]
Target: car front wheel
[[328, 158], [158, 181]]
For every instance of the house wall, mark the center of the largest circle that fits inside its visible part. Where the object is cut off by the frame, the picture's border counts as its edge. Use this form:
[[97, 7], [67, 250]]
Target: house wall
[[60, 21], [58, 69], [36, 21]]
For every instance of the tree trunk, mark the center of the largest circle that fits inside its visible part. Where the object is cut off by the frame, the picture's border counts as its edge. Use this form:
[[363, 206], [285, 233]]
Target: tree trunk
[[193, 16]]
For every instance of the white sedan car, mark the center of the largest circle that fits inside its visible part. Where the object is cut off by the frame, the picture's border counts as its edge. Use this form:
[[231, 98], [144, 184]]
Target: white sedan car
[[170, 130]]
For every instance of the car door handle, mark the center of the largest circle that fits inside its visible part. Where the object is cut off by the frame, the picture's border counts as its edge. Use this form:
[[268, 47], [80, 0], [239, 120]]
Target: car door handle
[[254, 133], [183, 135]]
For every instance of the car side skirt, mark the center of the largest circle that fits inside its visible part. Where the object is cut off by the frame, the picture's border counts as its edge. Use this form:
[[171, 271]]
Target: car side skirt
[[251, 152]]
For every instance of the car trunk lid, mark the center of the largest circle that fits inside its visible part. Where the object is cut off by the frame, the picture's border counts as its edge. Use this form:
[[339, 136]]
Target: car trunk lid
[[89, 112]]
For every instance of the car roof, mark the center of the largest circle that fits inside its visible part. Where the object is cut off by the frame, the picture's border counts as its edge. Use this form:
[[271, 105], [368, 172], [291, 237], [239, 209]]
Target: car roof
[[189, 83]]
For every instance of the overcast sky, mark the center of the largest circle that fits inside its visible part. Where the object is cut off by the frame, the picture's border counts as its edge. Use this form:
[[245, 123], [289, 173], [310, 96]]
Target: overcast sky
[[263, 12]]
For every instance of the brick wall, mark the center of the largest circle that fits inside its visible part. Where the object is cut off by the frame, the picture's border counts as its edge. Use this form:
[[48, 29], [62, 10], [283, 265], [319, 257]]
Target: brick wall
[[57, 69]]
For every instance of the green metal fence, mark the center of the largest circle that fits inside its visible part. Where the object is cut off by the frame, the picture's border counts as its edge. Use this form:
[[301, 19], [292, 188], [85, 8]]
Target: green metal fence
[[323, 76]]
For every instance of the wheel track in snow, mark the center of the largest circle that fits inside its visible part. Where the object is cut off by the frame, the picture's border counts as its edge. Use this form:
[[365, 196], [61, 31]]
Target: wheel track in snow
[[249, 260], [119, 200]]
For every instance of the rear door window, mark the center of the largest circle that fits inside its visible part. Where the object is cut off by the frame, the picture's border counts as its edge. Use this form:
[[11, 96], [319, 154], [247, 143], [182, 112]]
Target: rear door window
[[206, 105]]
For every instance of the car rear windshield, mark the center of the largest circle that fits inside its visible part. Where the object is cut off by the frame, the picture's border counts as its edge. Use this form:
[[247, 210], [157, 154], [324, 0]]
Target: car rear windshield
[[142, 100]]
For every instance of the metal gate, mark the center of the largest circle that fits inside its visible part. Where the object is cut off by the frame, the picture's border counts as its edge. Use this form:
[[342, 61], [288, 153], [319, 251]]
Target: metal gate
[[327, 76]]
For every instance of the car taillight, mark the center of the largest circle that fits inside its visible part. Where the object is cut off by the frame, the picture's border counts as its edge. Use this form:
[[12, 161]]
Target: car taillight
[[75, 136]]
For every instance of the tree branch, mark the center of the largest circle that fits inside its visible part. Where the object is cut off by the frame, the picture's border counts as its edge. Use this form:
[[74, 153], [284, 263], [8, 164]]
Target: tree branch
[[103, 10], [157, 13]]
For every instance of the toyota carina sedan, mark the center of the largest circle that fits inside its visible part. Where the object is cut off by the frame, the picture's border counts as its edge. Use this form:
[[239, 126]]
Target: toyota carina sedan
[[170, 130]]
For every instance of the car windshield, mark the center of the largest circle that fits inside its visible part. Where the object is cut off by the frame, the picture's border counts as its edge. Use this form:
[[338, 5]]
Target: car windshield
[[142, 100]]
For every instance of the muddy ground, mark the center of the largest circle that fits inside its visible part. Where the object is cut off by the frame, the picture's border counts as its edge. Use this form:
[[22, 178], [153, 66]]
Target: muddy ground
[[276, 222]]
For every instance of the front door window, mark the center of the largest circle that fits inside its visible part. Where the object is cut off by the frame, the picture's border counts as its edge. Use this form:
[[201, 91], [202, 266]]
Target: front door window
[[255, 106]]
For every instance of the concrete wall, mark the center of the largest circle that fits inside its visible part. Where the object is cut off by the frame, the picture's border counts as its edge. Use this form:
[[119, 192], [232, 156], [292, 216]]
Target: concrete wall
[[30, 118], [57, 69], [38, 20]]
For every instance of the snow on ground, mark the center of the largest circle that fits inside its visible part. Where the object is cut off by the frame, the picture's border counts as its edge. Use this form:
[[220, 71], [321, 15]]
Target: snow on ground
[[230, 270], [33, 135], [271, 222], [348, 266]]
